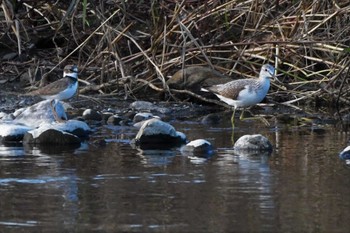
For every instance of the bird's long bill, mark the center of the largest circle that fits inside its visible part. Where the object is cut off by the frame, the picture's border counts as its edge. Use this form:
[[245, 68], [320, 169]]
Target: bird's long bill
[[274, 76]]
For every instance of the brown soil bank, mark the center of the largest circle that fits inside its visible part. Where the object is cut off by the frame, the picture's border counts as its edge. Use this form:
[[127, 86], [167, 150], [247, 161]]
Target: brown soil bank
[[129, 48]]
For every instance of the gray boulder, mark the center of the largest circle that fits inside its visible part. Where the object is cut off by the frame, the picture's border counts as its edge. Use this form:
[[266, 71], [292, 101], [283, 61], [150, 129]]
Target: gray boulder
[[199, 147], [155, 133], [256, 142]]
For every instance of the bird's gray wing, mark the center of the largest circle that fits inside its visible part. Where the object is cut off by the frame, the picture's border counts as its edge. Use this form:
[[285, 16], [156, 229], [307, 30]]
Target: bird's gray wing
[[231, 89], [52, 88]]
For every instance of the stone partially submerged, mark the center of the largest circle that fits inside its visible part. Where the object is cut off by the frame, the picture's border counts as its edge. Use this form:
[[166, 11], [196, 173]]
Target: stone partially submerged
[[51, 136], [37, 124], [199, 147], [255, 143], [155, 133], [69, 132], [10, 132]]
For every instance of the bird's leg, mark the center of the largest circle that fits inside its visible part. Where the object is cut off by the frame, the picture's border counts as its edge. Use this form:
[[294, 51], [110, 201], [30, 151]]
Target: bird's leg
[[241, 117], [233, 118], [233, 125], [54, 112]]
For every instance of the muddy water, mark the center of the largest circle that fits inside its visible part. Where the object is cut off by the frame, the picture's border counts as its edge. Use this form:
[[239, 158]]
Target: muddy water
[[301, 187]]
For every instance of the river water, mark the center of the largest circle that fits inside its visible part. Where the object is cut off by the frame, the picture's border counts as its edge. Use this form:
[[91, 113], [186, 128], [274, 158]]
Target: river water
[[301, 187]]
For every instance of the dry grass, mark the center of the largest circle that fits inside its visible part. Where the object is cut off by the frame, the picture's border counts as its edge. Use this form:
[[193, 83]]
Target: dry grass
[[126, 47]]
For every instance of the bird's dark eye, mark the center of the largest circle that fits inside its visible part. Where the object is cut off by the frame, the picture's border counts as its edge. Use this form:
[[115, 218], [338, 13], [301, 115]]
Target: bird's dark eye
[[265, 69]]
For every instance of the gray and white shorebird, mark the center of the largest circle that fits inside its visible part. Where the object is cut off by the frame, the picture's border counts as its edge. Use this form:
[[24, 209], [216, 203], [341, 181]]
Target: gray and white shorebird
[[243, 93], [62, 89]]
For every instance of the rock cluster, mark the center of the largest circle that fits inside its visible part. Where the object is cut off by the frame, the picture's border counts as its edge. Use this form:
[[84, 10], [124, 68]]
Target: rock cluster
[[36, 125]]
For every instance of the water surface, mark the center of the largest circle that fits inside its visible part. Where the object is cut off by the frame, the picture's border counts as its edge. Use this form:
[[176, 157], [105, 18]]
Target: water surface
[[301, 187]]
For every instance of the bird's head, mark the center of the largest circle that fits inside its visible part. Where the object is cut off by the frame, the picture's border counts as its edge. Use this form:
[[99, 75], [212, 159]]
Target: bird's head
[[71, 71], [267, 71]]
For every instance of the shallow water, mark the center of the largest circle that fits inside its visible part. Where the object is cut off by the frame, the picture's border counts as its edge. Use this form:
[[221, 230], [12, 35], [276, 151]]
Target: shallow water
[[301, 187]]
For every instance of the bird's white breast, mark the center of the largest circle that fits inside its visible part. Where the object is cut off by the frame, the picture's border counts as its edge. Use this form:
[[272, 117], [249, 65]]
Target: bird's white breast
[[250, 96]]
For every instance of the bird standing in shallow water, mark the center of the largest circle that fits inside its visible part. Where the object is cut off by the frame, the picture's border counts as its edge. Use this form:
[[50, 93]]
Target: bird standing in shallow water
[[243, 93], [62, 89]]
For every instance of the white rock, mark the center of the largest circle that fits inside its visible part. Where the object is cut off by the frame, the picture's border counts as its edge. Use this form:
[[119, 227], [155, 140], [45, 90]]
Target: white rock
[[155, 127], [68, 126], [68, 132], [199, 147], [198, 143], [142, 116], [156, 133], [9, 129]]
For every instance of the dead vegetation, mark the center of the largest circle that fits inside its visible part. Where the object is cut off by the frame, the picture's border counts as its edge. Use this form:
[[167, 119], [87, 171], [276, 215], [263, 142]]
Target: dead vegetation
[[128, 47]]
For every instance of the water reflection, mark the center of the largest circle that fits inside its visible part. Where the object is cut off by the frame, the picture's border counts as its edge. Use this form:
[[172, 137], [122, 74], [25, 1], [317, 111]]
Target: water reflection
[[156, 157]]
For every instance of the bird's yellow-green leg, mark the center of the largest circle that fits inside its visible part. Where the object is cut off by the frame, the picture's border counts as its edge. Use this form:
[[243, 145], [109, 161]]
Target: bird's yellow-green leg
[[233, 126], [241, 117], [233, 118]]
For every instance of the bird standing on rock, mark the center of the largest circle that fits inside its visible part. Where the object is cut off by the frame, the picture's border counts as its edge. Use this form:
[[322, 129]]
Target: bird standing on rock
[[62, 89], [243, 93]]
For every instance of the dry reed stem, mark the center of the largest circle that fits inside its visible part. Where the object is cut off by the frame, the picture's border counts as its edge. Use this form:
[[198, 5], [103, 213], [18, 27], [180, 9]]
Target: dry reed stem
[[307, 41]]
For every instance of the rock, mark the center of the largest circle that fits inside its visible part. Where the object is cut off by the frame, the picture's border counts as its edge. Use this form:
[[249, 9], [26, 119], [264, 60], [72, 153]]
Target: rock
[[10, 132], [145, 106], [199, 147], [92, 115], [195, 77], [142, 105], [38, 114], [6, 117], [114, 120], [50, 136], [106, 115], [155, 133], [255, 142], [142, 116], [345, 154], [68, 132]]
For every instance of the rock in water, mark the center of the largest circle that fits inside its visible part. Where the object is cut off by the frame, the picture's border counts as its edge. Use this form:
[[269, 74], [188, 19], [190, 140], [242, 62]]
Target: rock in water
[[10, 132], [50, 136], [68, 132], [92, 115], [255, 142], [155, 133], [199, 147]]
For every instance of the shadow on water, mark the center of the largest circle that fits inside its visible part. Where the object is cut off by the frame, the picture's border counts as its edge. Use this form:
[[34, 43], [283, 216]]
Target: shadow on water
[[301, 186]]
